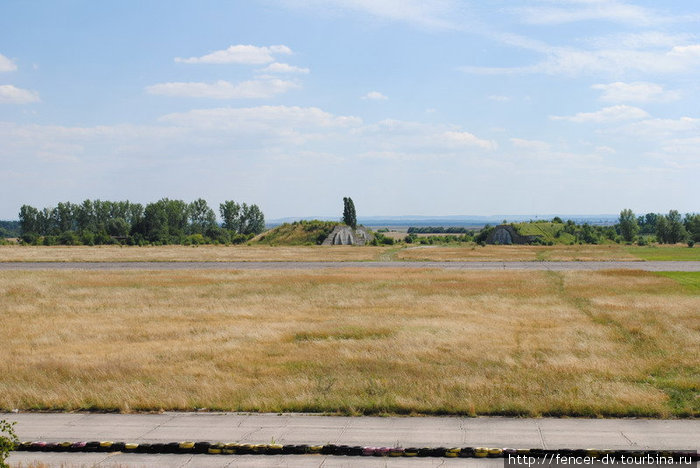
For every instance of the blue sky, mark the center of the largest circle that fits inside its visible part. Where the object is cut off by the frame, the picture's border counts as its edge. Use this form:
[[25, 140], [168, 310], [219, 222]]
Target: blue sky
[[439, 107]]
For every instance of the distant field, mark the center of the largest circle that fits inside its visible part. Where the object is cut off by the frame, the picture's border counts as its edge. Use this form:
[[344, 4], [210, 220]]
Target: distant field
[[616, 343]]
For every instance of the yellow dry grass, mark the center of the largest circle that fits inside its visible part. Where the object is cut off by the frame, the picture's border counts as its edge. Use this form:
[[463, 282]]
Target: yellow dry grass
[[354, 341], [608, 252], [181, 253]]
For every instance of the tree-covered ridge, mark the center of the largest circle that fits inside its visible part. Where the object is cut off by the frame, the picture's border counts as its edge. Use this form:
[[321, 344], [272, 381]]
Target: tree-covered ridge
[[163, 222], [9, 229], [671, 228]]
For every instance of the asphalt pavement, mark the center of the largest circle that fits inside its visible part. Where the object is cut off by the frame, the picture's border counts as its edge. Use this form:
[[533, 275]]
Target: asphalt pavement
[[548, 433]]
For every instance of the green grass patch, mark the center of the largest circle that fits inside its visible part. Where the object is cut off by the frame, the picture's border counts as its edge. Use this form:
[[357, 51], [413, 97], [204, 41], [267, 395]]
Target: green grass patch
[[548, 232], [689, 279], [298, 233], [665, 253]]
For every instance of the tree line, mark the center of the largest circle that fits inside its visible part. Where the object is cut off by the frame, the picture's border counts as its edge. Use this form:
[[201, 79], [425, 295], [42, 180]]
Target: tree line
[[166, 221], [438, 230], [668, 229]]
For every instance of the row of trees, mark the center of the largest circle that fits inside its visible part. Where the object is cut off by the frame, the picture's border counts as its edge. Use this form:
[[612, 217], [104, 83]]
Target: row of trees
[[438, 230], [163, 222], [668, 229]]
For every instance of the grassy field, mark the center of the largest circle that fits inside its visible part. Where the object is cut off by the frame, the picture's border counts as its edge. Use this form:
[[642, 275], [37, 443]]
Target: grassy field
[[466, 252], [665, 252], [517, 253], [617, 343], [180, 253]]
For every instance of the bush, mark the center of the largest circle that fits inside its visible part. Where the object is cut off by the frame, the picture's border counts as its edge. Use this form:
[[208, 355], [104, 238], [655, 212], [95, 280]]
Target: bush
[[29, 238], [68, 238], [195, 239], [381, 239], [691, 243], [87, 238], [50, 240], [8, 441]]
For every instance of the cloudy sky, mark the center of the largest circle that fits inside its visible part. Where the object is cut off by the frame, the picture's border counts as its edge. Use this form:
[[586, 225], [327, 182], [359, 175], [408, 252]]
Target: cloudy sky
[[423, 107]]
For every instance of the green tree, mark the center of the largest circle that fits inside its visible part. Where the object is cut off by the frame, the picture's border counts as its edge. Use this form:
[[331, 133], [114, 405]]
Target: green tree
[[155, 222], [676, 230], [692, 225], [117, 227], [628, 225], [28, 220], [65, 217], [662, 229], [349, 215], [230, 215], [252, 220], [201, 216]]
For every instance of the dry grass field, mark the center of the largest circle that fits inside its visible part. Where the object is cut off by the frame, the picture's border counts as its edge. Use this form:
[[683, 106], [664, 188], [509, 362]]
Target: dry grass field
[[181, 253], [354, 341], [526, 253], [467, 252]]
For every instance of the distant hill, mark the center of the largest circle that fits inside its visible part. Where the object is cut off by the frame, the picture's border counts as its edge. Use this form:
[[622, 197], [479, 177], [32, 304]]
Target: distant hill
[[302, 232]]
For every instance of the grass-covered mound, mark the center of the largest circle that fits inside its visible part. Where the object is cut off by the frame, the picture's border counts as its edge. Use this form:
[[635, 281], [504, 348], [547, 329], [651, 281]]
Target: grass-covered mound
[[298, 233], [548, 232]]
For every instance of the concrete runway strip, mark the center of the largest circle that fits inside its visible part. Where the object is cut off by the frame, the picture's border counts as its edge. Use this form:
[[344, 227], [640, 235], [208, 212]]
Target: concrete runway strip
[[554, 266], [631, 434]]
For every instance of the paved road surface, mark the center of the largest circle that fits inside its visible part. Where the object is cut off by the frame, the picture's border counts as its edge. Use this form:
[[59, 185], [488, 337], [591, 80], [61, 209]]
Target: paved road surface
[[312, 429], [557, 266]]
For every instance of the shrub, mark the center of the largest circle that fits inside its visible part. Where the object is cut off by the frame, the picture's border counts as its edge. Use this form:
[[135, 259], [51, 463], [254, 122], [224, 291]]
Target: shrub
[[195, 239], [50, 240], [68, 238], [87, 238], [29, 238], [8, 441], [691, 243], [381, 239]]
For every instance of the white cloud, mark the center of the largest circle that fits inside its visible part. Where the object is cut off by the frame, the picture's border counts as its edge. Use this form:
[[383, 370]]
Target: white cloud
[[435, 14], [635, 92], [260, 118], [375, 96], [587, 10], [607, 114], [242, 54], [642, 40], [6, 65], [687, 52], [12, 95], [659, 128], [468, 139], [574, 62], [605, 150], [252, 89], [638, 91], [498, 98], [530, 145], [277, 67]]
